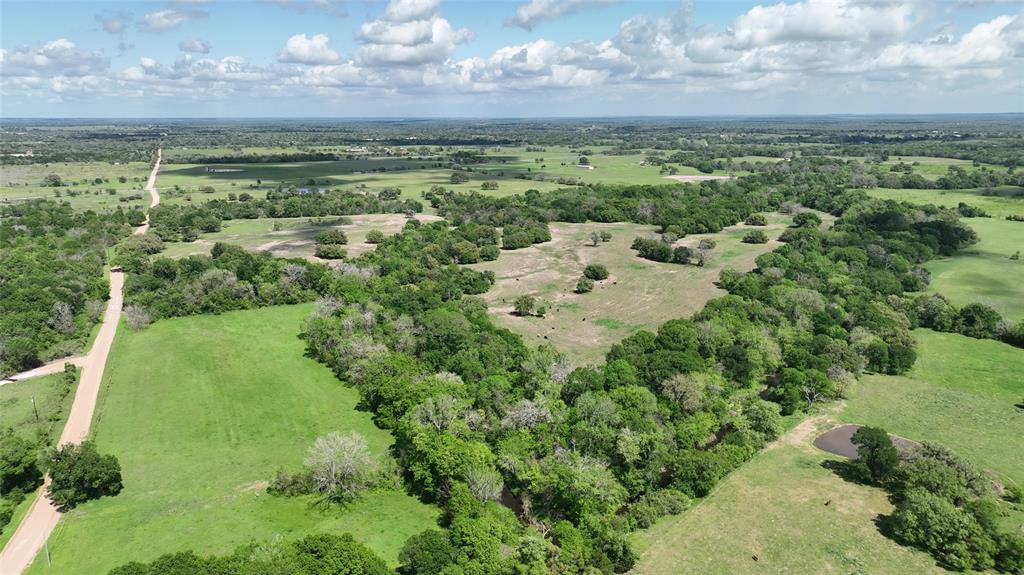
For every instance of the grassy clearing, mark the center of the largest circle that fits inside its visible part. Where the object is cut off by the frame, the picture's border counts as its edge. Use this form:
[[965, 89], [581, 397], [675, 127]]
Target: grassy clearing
[[960, 393], [16, 412], [774, 508], [293, 237], [984, 272], [998, 202], [639, 294], [20, 183], [201, 412]]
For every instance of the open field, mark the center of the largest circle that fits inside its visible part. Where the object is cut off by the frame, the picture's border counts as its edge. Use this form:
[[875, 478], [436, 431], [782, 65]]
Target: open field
[[999, 202], [639, 293], [294, 237], [960, 393], [411, 176], [932, 167], [984, 272], [21, 182], [201, 412], [17, 413]]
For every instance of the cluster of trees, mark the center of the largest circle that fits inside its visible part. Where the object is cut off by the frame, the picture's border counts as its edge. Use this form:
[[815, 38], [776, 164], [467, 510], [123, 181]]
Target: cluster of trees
[[321, 554], [944, 504], [230, 278], [186, 222], [976, 320], [660, 249], [79, 473], [592, 273], [52, 288], [330, 244]]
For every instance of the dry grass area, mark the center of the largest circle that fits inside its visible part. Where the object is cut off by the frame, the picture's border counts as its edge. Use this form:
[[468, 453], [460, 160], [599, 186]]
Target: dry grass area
[[639, 294], [294, 237], [687, 179]]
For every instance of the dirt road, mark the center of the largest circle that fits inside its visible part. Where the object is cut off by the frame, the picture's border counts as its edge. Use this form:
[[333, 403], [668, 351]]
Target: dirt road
[[55, 366], [42, 517]]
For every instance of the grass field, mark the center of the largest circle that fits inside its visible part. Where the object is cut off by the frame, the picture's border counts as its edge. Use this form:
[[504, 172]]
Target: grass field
[[201, 412], [639, 294], [932, 168], [998, 202], [413, 177], [984, 272], [19, 183], [16, 412], [960, 393], [295, 237]]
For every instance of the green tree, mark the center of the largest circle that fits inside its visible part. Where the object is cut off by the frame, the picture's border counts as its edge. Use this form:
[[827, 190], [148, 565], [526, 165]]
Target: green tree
[[596, 272], [79, 473], [524, 305], [875, 453]]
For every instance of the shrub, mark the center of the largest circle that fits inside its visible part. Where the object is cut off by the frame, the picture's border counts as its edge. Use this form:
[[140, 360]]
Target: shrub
[[489, 252], [756, 220], [755, 237], [584, 285], [524, 304], [331, 237], [374, 237], [79, 473], [330, 252], [707, 244], [596, 271], [806, 220], [137, 317], [952, 535], [606, 236], [18, 469]]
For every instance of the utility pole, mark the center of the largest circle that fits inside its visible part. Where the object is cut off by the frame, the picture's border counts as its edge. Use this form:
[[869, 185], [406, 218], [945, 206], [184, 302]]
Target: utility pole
[[34, 410]]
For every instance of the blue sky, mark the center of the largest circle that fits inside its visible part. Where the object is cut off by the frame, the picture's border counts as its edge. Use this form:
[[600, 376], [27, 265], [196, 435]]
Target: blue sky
[[508, 58]]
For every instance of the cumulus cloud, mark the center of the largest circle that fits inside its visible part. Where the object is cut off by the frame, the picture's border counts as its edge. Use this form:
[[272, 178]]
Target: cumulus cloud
[[194, 45], [164, 20], [301, 49], [56, 57], [532, 13], [410, 33], [114, 24]]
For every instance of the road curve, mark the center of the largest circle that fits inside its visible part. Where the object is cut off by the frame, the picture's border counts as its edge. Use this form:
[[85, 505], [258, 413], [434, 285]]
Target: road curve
[[42, 516], [55, 366]]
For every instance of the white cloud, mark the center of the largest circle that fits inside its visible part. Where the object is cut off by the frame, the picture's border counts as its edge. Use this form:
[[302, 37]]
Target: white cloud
[[410, 33], [532, 13], [820, 21], [301, 49], [114, 24], [56, 57], [194, 45], [164, 20]]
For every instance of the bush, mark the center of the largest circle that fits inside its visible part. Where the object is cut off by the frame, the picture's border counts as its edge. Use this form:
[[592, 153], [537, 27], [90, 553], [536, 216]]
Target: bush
[[18, 469], [584, 285], [596, 272], [79, 473], [707, 244], [952, 535], [489, 253], [806, 220], [331, 237], [524, 305], [756, 220], [652, 506], [755, 237], [137, 317], [330, 252], [374, 237]]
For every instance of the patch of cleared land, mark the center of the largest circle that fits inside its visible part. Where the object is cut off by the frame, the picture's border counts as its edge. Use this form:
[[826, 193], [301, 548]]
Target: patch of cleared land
[[960, 393], [24, 182], [984, 272], [294, 237], [639, 294], [201, 412]]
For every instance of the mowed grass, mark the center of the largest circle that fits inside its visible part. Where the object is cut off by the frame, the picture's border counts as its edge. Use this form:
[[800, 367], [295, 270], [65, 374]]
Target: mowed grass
[[961, 393], [294, 237], [984, 272], [932, 168], [201, 412], [999, 202], [17, 413], [24, 182], [639, 294]]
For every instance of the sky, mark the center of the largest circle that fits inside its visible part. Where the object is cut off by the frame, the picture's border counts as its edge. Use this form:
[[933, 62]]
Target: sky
[[521, 58]]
